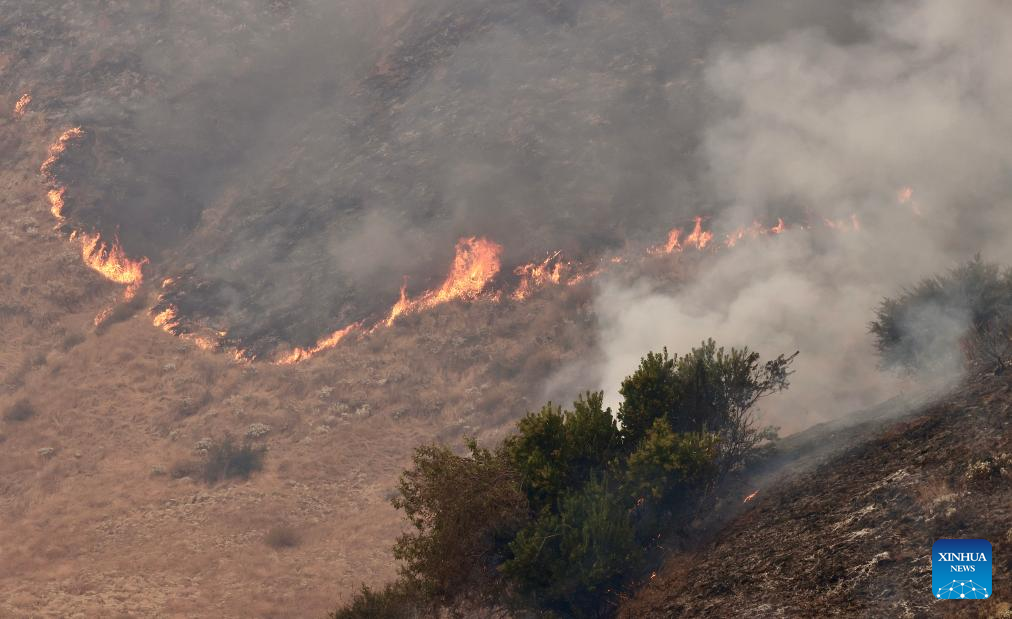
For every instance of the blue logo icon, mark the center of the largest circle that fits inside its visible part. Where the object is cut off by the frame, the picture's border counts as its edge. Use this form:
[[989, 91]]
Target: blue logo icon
[[961, 569]]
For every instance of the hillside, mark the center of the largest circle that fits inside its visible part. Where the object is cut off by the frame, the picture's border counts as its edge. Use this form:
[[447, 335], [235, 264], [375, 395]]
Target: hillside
[[853, 536]]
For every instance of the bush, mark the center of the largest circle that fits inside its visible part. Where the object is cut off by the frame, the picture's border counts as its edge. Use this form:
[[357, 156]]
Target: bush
[[21, 410], [282, 536], [568, 560], [555, 450], [225, 459], [969, 309], [400, 600], [71, 340], [463, 509], [707, 390], [566, 510], [666, 461]]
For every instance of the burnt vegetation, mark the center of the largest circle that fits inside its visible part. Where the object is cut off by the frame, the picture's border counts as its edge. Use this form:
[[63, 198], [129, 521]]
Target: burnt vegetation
[[568, 512]]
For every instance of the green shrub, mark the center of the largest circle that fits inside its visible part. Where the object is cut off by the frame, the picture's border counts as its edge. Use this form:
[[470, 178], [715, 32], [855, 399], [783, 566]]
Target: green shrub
[[225, 459], [568, 560], [21, 410], [666, 461], [463, 509], [282, 536], [555, 450], [399, 600], [968, 308], [565, 511]]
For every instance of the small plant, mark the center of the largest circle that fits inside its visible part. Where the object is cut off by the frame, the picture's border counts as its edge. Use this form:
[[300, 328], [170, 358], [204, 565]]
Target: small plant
[[257, 430], [984, 471], [21, 410], [225, 458], [184, 468], [282, 536], [71, 340], [400, 600]]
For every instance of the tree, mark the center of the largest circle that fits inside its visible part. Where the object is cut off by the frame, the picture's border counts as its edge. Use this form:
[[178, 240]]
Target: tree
[[648, 394], [666, 462], [464, 511], [555, 450], [710, 389], [970, 307], [568, 561]]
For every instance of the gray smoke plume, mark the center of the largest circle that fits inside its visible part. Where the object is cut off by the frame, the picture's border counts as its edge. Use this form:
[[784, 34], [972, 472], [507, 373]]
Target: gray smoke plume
[[289, 161], [897, 117]]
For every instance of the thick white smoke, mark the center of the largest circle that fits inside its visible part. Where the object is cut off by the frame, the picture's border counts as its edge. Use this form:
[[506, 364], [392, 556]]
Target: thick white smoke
[[813, 126]]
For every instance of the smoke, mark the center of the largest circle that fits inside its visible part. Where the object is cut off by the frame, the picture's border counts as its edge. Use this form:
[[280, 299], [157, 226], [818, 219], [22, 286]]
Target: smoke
[[289, 162], [825, 121]]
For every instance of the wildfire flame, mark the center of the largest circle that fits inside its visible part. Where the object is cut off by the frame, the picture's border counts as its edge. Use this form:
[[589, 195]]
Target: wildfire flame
[[844, 225], [750, 497], [55, 197], [57, 149], [107, 259], [325, 343], [905, 196], [698, 237], [22, 105], [110, 261], [538, 274], [476, 262]]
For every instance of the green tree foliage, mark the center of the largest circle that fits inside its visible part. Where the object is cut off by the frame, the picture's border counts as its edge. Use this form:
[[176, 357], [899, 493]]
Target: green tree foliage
[[666, 461], [650, 393], [565, 510], [971, 305], [225, 458], [568, 559], [399, 600], [710, 389], [463, 509], [555, 450]]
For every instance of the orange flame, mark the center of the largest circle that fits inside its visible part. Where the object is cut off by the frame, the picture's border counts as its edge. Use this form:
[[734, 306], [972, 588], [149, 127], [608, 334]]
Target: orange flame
[[166, 319], [476, 262], [58, 148], [537, 275], [699, 238], [843, 225], [22, 105], [330, 341], [110, 261], [55, 197], [750, 497]]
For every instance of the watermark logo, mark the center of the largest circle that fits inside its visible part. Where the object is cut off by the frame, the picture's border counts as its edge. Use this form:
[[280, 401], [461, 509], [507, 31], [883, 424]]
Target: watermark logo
[[961, 569]]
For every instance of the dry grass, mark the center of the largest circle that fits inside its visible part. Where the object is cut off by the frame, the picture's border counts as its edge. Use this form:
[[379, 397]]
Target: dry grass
[[342, 428]]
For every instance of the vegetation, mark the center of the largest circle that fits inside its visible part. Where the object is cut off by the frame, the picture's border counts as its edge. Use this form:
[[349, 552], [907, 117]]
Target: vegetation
[[564, 513], [968, 310], [225, 458], [282, 536], [20, 410]]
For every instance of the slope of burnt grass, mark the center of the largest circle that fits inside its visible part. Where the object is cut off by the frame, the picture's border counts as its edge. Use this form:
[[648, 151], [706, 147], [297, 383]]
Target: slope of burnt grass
[[853, 536]]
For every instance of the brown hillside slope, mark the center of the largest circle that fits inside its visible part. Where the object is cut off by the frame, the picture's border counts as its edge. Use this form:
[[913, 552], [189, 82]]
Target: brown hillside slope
[[92, 521], [853, 537]]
